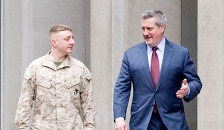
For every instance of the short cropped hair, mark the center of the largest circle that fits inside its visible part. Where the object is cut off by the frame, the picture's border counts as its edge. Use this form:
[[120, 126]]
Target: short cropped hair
[[59, 28], [157, 14]]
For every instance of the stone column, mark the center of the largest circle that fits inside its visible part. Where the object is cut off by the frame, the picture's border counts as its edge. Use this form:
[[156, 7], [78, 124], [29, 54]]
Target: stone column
[[101, 60], [211, 64]]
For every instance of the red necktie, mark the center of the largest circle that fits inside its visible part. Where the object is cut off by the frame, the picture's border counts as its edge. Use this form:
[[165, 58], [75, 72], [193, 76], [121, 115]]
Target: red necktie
[[155, 71], [154, 67]]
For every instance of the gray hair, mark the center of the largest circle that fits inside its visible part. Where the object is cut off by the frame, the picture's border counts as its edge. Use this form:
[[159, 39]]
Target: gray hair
[[157, 14]]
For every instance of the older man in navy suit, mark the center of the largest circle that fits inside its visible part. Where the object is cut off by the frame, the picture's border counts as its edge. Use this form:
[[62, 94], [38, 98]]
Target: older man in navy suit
[[162, 73]]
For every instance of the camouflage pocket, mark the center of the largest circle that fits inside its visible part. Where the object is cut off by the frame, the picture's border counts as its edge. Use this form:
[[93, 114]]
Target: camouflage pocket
[[44, 84], [71, 82]]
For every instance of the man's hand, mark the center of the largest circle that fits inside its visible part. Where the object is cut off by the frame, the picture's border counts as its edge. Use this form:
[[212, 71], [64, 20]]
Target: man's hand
[[183, 90], [120, 124]]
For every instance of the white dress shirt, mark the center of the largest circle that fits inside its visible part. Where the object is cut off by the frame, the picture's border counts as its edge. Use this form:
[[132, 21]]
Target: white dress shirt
[[159, 51]]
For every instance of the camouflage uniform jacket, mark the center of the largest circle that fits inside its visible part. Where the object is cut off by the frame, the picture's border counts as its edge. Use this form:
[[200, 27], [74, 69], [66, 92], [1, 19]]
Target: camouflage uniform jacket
[[58, 95]]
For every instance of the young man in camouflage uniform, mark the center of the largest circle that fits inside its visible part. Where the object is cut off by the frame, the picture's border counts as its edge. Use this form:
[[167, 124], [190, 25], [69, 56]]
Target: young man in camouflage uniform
[[58, 86]]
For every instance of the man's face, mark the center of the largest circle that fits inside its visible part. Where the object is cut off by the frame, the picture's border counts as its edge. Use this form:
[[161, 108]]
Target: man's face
[[152, 33], [64, 42]]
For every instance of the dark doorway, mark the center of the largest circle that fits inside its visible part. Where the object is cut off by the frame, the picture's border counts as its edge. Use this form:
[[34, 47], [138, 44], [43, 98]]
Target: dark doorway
[[189, 40]]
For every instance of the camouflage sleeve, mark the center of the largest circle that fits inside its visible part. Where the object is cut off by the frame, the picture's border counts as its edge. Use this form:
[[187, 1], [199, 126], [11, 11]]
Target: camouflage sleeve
[[87, 102], [23, 112]]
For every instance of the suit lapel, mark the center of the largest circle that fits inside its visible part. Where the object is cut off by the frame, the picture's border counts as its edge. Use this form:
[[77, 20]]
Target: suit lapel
[[143, 56], [168, 51]]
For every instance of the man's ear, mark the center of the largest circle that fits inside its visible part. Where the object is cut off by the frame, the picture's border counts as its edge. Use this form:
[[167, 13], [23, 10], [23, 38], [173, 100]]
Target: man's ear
[[53, 42], [163, 27]]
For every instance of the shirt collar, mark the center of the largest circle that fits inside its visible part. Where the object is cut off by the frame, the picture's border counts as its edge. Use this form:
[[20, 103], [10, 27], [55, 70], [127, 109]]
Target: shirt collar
[[49, 63], [161, 46]]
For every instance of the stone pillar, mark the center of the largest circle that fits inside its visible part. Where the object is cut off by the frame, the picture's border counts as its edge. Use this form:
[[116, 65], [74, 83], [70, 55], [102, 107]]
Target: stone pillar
[[11, 63], [211, 64], [101, 60]]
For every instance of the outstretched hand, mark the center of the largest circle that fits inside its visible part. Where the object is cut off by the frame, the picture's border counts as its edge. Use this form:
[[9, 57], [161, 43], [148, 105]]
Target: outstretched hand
[[183, 90]]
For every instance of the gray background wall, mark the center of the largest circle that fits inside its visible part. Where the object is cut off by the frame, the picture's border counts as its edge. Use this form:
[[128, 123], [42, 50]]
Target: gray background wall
[[103, 30], [211, 64]]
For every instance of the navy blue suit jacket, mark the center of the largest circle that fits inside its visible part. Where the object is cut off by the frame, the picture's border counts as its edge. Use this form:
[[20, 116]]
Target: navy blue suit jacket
[[177, 65]]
